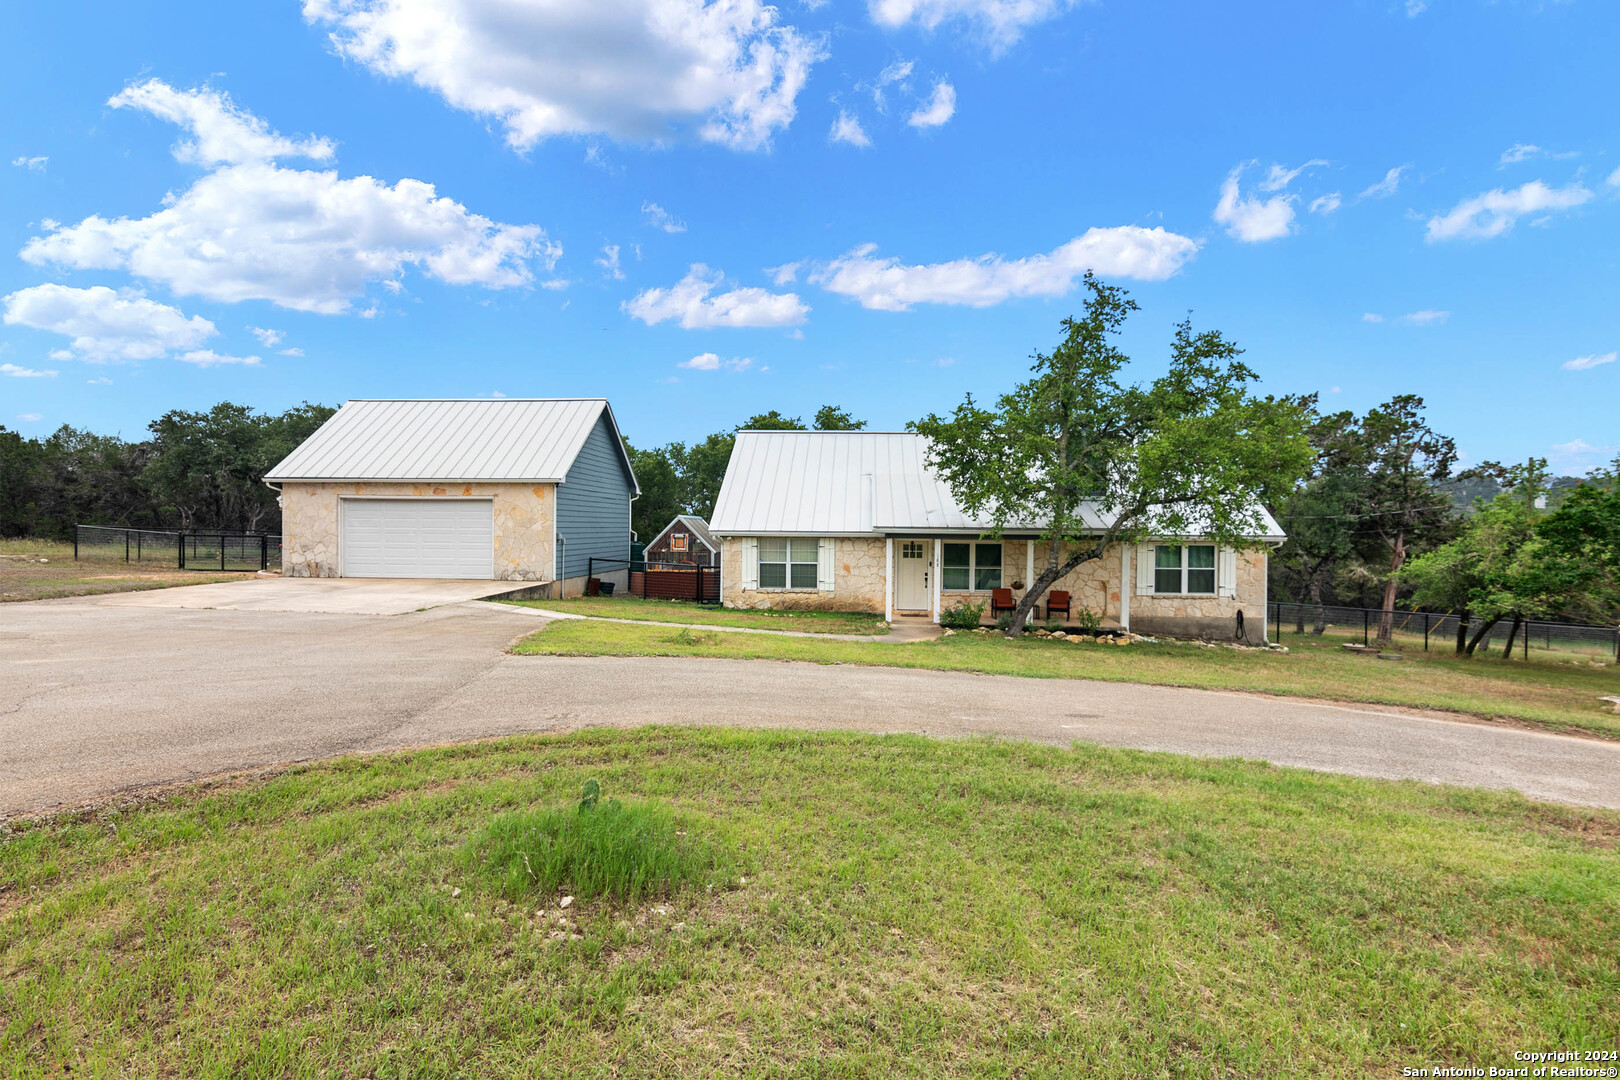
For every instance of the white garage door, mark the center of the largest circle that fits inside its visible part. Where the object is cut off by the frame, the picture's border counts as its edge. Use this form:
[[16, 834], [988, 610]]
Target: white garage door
[[418, 538]]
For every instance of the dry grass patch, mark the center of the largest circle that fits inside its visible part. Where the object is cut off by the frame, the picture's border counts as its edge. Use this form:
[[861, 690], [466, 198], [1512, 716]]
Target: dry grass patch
[[46, 570]]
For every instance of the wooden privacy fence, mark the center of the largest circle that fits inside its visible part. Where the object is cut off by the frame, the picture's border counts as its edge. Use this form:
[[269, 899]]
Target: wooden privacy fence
[[663, 581]]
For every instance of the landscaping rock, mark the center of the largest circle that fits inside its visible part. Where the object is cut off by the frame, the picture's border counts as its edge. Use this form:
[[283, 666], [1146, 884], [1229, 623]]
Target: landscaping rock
[[1614, 701], [567, 901]]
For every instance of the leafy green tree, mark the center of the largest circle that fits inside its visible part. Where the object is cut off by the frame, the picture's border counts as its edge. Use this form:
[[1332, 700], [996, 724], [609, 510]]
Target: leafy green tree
[[832, 418], [1401, 503], [1187, 454], [1585, 531], [1319, 515], [771, 421], [660, 484]]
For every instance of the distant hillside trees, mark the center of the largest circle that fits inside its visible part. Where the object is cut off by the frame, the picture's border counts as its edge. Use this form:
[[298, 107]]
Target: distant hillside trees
[[198, 470]]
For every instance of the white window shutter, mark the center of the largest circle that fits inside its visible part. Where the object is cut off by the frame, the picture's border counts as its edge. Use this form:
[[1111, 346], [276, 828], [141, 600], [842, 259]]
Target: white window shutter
[[1226, 571], [750, 562], [1144, 570], [824, 564]]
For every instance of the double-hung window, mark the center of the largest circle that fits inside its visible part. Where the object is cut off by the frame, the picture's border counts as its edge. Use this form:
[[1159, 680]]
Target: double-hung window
[[1184, 568], [788, 563], [971, 567]]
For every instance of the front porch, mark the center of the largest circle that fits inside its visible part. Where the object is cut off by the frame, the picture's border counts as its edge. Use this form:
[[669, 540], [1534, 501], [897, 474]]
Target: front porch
[[926, 574]]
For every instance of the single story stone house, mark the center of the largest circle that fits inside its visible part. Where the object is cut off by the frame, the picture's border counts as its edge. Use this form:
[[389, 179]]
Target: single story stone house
[[515, 489], [856, 521], [686, 539]]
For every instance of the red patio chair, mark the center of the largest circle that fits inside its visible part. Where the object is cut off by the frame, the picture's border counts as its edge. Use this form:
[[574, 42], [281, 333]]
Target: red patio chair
[[1001, 600], [1057, 600]]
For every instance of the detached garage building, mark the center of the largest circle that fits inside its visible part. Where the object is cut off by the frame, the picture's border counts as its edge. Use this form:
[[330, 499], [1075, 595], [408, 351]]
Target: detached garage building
[[515, 489]]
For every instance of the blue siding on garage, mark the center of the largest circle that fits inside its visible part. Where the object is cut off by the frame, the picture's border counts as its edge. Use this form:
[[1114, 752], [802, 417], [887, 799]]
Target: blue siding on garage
[[593, 504]]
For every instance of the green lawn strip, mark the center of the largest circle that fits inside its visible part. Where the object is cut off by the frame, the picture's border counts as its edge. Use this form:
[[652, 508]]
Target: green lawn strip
[[906, 907], [1556, 696], [684, 611]]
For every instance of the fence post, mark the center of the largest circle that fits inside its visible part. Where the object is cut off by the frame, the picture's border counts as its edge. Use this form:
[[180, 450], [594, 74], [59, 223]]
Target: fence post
[[126, 545], [1527, 640], [1425, 631], [222, 552], [264, 552], [137, 547], [1363, 628], [75, 543], [180, 550]]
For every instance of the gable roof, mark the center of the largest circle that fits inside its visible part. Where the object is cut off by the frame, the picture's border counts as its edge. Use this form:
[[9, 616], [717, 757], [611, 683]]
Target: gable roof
[[849, 483], [699, 527], [451, 439]]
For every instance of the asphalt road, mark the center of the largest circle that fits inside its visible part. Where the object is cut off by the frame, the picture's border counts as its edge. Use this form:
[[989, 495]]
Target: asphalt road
[[99, 697]]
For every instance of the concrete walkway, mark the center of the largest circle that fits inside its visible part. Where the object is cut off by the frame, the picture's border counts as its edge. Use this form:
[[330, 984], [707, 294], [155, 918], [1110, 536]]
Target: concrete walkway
[[96, 698], [901, 632]]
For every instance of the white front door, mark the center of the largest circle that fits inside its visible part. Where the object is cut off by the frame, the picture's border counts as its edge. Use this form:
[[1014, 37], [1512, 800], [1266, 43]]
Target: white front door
[[911, 577]]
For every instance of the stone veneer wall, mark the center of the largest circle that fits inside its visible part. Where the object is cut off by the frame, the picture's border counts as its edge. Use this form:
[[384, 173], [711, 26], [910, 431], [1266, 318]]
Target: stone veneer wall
[[523, 524], [1213, 617], [1093, 584], [857, 580]]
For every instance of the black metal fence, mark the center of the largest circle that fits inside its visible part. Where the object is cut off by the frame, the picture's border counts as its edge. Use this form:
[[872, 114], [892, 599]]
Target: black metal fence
[[178, 550], [1431, 630]]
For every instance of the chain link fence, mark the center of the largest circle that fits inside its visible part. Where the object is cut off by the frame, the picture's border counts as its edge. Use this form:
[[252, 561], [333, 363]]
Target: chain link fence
[[1433, 630], [170, 549]]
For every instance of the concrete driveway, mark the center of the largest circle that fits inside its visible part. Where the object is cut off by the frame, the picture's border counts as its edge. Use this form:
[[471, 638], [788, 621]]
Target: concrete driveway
[[333, 596], [97, 697]]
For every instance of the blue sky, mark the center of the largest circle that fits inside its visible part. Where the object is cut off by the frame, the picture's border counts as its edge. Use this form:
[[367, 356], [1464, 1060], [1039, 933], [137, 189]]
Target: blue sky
[[703, 213]]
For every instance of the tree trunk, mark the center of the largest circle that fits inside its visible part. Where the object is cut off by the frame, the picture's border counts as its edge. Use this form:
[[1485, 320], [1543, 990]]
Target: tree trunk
[[1320, 626], [1479, 635], [1038, 587], [1513, 632], [1462, 631], [1386, 622]]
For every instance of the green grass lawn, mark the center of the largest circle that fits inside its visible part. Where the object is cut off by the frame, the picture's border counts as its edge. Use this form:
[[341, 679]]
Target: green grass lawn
[[685, 611], [45, 569], [1557, 696], [903, 907]]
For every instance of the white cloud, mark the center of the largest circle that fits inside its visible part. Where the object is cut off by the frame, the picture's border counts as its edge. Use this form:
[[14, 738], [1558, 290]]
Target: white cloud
[[786, 274], [210, 358], [1614, 178], [15, 372], [1520, 152], [1248, 218], [712, 362], [268, 338], [106, 325], [660, 218], [897, 72], [885, 284], [221, 133], [1001, 22], [32, 164], [1494, 212], [689, 301], [61, 354], [1372, 317], [609, 262], [99, 381], [301, 239], [1414, 8], [1388, 185], [630, 69], [1326, 204], [938, 110], [29, 417], [1426, 318], [1278, 177], [847, 129], [1577, 453], [1586, 363]]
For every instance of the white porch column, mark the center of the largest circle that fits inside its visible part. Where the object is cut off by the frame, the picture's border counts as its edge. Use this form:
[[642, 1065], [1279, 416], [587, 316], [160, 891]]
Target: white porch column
[[938, 572], [1029, 578], [888, 579], [1125, 580]]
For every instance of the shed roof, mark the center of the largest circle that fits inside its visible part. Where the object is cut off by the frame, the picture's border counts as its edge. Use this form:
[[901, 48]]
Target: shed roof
[[450, 439], [849, 483], [698, 527]]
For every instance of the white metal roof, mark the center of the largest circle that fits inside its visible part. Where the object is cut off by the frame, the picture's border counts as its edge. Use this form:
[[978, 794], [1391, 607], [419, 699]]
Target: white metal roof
[[847, 483], [448, 439]]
